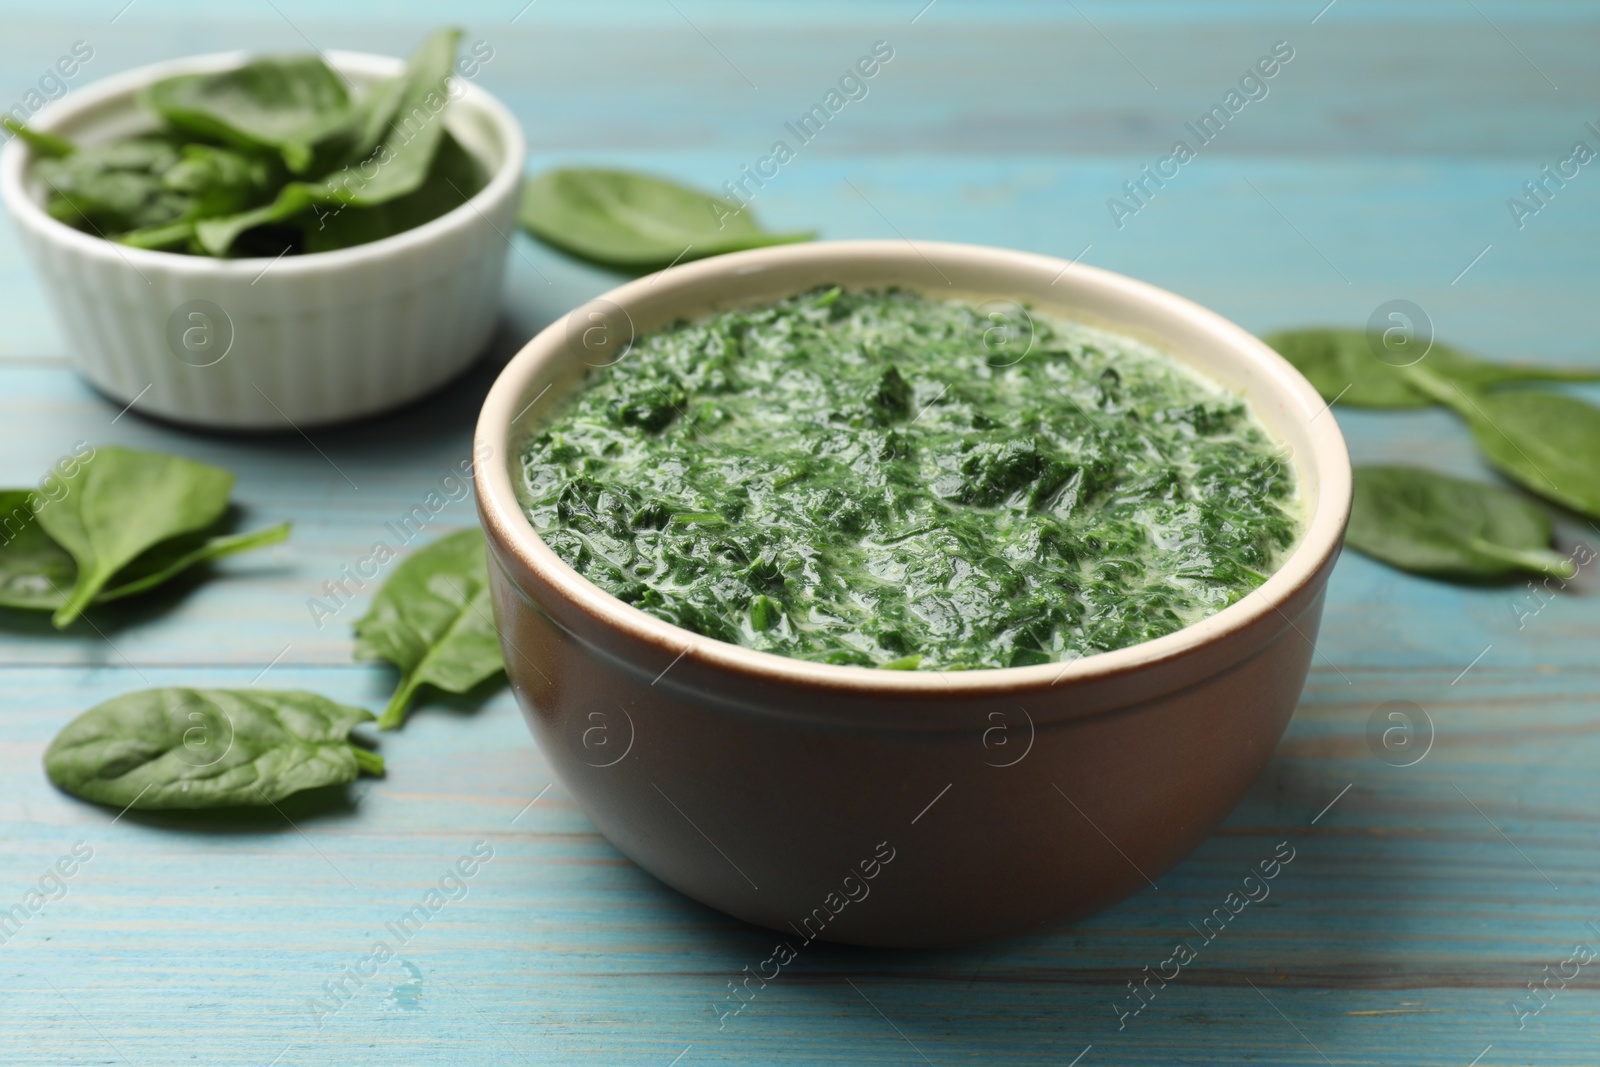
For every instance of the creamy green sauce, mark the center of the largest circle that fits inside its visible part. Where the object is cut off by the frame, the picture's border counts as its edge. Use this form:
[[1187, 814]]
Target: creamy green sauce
[[883, 479]]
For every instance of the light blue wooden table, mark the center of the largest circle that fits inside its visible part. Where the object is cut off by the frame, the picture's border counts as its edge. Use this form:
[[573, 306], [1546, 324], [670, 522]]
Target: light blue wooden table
[[1422, 900]]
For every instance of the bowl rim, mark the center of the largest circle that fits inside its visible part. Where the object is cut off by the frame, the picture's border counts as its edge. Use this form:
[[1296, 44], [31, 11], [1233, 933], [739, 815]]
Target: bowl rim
[[17, 156], [509, 529]]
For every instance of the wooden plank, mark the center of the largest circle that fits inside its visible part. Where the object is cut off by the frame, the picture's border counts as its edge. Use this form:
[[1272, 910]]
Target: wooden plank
[[1401, 898], [1208, 235], [1421, 899]]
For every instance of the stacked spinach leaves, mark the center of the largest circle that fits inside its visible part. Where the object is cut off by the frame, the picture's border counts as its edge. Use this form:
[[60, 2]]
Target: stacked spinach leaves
[[279, 155], [1427, 523]]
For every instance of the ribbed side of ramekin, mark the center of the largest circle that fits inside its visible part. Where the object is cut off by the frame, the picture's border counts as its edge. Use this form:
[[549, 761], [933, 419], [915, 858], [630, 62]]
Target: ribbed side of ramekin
[[314, 339]]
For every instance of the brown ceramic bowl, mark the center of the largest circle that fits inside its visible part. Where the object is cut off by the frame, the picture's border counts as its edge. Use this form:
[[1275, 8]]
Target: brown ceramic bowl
[[901, 808]]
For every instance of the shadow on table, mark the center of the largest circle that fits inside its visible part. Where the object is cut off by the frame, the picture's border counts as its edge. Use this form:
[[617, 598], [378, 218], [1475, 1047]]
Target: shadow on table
[[1259, 982], [289, 815]]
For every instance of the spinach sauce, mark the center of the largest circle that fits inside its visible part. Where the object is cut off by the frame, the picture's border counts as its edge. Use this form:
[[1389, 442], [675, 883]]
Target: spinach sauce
[[883, 479]]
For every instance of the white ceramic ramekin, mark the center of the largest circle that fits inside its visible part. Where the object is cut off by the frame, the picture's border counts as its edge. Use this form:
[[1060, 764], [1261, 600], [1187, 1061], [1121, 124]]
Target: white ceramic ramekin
[[261, 344]]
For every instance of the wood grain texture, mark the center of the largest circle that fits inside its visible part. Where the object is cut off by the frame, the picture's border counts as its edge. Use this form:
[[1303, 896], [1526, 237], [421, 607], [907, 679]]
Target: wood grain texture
[[1418, 905]]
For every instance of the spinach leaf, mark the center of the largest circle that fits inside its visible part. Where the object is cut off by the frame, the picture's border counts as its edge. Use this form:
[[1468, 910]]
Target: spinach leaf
[[1481, 374], [35, 572], [207, 748], [432, 619], [288, 105], [45, 144], [1340, 364], [1432, 524], [222, 180], [113, 188], [404, 160], [403, 128], [121, 502], [635, 221], [176, 555], [216, 236], [247, 160], [454, 177], [1546, 442], [215, 181], [377, 108], [165, 235]]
